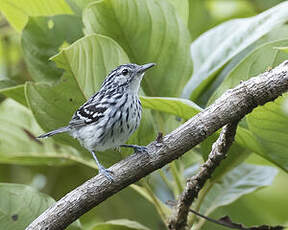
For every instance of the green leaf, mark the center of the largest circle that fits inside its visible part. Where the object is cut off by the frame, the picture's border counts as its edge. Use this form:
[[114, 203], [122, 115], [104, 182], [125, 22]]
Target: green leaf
[[78, 5], [90, 60], [266, 56], [159, 205], [20, 205], [212, 50], [16, 93], [199, 18], [121, 224], [268, 124], [177, 106], [256, 62], [279, 33], [53, 106], [41, 39], [285, 49], [17, 142], [148, 31], [240, 181], [182, 8], [18, 11], [7, 83], [246, 139]]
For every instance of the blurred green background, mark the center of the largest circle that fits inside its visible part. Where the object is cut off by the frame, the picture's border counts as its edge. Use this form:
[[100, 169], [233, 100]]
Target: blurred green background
[[266, 206]]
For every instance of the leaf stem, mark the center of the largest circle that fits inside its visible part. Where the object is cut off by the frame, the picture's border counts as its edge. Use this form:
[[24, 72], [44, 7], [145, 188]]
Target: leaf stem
[[166, 181], [177, 178], [155, 201]]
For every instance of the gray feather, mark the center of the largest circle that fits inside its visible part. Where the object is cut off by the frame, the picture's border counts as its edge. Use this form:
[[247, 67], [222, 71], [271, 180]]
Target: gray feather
[[53, 132]]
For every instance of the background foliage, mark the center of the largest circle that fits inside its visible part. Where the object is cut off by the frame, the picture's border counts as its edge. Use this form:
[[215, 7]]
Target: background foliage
[[55, 54]]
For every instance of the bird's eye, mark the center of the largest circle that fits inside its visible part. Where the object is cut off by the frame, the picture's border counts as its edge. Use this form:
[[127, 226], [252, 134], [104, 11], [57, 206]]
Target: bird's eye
[[125, 72]]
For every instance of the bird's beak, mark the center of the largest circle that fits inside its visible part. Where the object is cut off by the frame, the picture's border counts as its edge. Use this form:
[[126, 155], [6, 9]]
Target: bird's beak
[[145, 67]]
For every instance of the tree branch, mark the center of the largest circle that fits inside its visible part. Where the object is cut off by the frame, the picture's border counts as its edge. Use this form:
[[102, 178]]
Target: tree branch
[[195, 184], [231, 106]]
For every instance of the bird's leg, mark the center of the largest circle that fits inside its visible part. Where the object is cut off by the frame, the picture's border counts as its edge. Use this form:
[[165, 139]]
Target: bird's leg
[[107, 173], [137, 148]]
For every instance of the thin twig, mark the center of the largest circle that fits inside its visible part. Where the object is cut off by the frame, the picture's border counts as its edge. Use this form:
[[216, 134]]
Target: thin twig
[[231, 106], [227, 222], [195, 184]]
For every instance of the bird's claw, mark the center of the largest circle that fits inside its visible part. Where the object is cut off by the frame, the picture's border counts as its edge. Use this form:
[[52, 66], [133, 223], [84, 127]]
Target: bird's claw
[[137, 148], [140, 149], [107, 173]]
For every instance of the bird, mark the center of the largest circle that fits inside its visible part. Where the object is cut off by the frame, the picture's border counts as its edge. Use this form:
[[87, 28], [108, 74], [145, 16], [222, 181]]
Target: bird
[[110, 116]]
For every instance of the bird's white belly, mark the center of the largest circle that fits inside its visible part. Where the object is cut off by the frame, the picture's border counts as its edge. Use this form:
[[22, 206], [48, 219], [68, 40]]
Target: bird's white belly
[[111, 131]]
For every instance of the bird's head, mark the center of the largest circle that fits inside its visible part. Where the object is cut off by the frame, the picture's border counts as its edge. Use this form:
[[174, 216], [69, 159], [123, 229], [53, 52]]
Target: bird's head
[[126, 77]]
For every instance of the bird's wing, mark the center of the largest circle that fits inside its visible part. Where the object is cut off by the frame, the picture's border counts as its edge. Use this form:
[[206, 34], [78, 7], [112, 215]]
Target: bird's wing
[[88, 113]]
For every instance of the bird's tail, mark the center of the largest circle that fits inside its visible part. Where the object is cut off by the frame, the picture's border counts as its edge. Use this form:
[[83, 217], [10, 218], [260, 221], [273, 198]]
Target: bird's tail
[[53, 132]]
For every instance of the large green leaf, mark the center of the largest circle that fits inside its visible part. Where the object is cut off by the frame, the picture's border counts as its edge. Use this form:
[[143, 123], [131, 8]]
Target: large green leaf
[[199, 18], [17, 142], [255, 63], [182, 8], [78, 5], [121, 224], [246, 139], [159, 205], [148, 31], [240, 181], [212, 50], [18, 11], [285, 49], [268, 124], [15, 92], [183, 108], [53, 106], [21, 204], [90, 60], [6, 83], [279, 33], [41, 39]]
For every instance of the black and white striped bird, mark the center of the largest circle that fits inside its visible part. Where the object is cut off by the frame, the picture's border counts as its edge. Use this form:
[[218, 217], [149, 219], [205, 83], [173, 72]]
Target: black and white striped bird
[[111, 115]]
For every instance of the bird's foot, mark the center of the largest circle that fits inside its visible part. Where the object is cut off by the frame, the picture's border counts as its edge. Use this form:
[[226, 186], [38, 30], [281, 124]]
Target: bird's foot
[[118, 149], [140, 149], [107, 173], [137, 148]]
